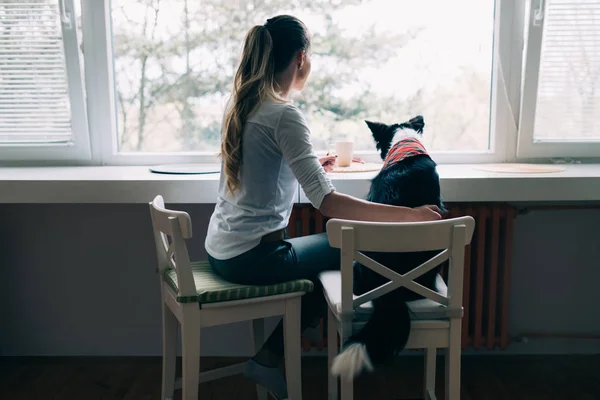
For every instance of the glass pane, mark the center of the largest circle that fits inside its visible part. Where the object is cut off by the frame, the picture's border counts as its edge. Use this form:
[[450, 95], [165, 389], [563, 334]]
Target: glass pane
[[568, 99], [34, 92], [383, 60]]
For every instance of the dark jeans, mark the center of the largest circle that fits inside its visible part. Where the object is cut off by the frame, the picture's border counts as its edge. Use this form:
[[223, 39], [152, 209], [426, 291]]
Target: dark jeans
[[270, 263]]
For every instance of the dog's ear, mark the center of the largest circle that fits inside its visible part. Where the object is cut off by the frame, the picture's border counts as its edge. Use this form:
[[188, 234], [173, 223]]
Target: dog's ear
[[417, 123], [383, 135], [378, 129]]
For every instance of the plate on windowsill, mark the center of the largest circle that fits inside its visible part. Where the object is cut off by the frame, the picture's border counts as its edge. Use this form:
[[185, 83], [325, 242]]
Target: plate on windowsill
[[185, 169], [358, 167], [520, 168]]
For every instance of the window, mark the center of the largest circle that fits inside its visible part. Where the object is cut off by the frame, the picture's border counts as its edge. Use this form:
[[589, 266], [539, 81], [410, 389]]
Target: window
[[561, 92], [42, 108], [158, 72], [171, 65]]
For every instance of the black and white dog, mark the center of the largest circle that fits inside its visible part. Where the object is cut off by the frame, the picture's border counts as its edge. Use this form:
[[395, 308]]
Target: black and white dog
[[407, 178]]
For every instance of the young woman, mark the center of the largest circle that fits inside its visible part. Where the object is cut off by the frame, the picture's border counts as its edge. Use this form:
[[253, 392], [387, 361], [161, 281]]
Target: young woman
[[266, 150]]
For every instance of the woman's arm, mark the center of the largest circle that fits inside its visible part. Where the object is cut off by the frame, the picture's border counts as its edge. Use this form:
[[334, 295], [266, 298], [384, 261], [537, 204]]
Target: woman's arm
[[338, 205]]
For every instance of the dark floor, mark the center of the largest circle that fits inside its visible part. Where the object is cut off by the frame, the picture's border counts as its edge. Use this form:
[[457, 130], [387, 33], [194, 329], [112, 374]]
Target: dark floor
[[484, 377]]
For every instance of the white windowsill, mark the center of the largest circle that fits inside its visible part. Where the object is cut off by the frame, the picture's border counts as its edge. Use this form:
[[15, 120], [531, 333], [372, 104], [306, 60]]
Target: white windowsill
[[460, 183]]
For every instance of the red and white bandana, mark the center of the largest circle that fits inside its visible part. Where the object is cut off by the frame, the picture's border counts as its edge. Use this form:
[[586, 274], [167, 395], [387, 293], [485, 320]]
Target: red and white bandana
[[403, 149]]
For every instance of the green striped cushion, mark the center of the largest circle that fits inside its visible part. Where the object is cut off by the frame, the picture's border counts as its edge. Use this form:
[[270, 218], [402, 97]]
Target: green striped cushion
[[211, 288]]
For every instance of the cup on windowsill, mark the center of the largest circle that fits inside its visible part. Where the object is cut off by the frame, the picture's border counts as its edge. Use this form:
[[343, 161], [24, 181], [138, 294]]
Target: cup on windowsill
[[345, 152]]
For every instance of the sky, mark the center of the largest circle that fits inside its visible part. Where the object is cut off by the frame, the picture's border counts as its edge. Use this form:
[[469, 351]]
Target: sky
[[454, 33], [454, 36]]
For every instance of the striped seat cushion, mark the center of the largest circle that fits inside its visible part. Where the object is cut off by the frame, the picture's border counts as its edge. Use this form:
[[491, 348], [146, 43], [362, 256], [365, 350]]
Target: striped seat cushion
[[211, 288]]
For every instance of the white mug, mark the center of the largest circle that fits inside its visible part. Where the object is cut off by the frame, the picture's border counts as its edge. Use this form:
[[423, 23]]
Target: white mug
[[345, 152]]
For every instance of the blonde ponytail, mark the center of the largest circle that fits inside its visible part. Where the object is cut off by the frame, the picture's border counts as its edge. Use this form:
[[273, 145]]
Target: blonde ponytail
[[253, 82]]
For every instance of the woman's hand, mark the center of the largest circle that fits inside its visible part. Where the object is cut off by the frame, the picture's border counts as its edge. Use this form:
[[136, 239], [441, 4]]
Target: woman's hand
[[427, 213], [328, 162]]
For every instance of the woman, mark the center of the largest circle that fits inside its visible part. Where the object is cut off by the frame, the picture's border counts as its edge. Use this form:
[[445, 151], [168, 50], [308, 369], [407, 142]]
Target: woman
[[266, 150]]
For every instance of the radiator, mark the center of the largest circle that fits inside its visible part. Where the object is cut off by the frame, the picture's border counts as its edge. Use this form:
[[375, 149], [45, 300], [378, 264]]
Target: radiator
[[487, 270]]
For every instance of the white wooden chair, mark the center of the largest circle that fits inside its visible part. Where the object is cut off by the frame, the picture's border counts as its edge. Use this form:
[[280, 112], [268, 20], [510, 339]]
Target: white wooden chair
[[436, 319], [194, 297]]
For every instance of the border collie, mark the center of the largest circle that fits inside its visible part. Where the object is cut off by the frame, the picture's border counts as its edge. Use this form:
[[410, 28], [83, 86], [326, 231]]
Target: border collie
[[408, 178]]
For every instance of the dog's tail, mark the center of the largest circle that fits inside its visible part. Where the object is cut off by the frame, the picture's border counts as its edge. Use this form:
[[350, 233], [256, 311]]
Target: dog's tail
[[383, 336]]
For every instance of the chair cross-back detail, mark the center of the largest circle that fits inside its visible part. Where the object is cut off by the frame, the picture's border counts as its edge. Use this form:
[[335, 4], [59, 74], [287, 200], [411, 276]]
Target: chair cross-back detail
[[194, 297], [436, 319], [401, 280]]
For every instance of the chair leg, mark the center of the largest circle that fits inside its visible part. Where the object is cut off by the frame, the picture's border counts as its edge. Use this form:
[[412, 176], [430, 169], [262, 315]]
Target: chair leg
[[293, 367], [430, 354], [453, 361], [347, 387], [258, 339], [169, 348], [332, 351], [190, 335]]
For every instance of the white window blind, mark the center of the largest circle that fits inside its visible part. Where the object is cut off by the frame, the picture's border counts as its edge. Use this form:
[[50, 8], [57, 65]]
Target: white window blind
[[568, 91], [34, 82]]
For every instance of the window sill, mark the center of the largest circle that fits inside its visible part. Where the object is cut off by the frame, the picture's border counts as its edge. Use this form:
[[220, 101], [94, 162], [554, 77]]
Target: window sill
[[463, 183], [460, 183]]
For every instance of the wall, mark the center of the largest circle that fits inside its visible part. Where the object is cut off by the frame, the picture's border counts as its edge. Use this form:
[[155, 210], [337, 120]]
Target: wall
[[80, 280], [556, 279]]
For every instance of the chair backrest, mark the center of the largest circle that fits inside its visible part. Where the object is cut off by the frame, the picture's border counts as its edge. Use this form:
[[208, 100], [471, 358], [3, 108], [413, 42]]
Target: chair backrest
[[450, 237], [171, 229]]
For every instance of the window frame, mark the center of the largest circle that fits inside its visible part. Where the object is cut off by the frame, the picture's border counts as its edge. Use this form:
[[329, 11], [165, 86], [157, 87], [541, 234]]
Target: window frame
[[78, 150], [527, 147], [100, 80]]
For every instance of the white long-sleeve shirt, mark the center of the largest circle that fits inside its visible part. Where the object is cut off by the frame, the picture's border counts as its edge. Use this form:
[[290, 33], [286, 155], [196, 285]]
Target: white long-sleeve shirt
[[277, 154]]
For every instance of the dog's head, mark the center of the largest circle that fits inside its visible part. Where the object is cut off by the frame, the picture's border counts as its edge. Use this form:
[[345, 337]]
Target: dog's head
[[386, 135]]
